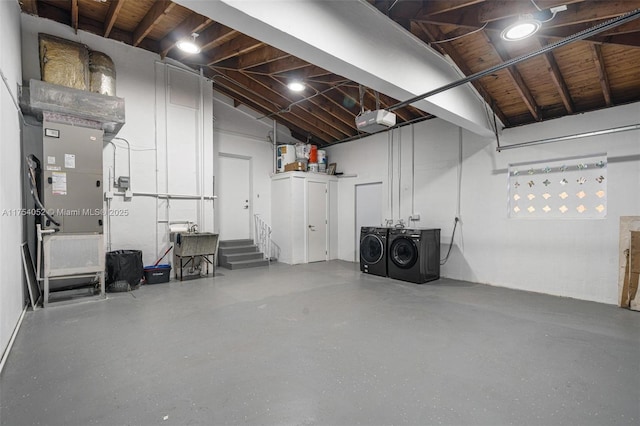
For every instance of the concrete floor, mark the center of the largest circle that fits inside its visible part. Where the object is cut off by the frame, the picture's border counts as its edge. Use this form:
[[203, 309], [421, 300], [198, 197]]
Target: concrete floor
[[324, 344]]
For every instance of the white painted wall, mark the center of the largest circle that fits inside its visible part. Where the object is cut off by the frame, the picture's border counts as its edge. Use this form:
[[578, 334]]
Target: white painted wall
[[237, 132], [11, 281], [574, 258], [165, 133]]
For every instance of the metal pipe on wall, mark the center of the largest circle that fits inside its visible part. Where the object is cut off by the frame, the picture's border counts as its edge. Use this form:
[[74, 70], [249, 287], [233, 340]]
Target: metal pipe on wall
[[275, 146], [413, 170], [390, 170], [201, 222], [571, 137]]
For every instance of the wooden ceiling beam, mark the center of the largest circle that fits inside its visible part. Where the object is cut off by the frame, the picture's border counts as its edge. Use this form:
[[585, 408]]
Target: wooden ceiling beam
[[74, 15], [112, 16], [288, 63], [264, 55], [443, 6], [558, 81], [241, 96], [335, 97], [157, 11], [592, 11], [517, 80], [325, 111], [432, 34], [320, 129], [54, 13], [496, 10], [30, 6], [598, 60], [233, 48], [194, 23]]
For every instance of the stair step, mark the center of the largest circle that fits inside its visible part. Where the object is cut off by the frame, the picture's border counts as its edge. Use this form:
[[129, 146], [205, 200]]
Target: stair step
[[237, 249], [243, 264], [240, 256], [235, 243]]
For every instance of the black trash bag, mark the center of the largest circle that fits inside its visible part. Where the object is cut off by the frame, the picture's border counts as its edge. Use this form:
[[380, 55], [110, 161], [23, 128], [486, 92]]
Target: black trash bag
[[124, 270]]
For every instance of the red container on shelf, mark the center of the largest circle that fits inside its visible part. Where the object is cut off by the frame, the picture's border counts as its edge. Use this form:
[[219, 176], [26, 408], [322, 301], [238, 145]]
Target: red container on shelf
[[313, 154]]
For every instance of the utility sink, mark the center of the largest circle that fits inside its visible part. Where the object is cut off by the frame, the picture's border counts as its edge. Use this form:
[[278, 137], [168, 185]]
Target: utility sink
[[194, 243]]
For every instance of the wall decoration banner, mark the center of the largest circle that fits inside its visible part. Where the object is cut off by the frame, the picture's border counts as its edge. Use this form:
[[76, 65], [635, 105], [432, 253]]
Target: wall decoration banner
[[569, 188]]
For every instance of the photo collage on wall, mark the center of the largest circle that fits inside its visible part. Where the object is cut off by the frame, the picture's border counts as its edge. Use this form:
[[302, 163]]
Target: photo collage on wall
[[569, 188]]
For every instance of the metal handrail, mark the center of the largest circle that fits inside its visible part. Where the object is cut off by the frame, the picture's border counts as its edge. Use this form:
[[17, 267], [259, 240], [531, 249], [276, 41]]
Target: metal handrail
[[263, 237]]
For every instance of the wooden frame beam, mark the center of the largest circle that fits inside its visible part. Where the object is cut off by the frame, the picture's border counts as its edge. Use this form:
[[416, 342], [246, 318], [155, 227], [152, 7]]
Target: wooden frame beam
[[74, 15], [433, 34], [112, 16], [502, 9], [157, 11], [517, 80], [556, 76], [598, 61], [30, 6]]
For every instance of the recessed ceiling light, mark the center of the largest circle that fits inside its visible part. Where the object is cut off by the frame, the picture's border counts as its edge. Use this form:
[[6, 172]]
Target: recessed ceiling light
[[296, 86], [524, 27], [189, 45]]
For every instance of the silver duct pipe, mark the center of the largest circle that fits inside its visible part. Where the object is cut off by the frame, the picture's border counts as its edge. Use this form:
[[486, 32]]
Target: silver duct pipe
[[607, 25], [572, 137]]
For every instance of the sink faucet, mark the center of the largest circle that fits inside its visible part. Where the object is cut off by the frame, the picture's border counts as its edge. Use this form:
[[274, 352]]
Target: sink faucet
[[193, 228]]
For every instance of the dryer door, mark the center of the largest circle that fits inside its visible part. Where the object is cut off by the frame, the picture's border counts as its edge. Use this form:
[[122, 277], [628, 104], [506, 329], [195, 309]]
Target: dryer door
[[371, 248], [403, 252]]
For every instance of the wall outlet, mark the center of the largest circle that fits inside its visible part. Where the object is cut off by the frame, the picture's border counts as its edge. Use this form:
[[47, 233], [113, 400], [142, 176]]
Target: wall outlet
[[128, 194], [108, 195]]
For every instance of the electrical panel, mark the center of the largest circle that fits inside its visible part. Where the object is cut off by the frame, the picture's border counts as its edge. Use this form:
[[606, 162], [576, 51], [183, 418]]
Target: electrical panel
[[71, 187]]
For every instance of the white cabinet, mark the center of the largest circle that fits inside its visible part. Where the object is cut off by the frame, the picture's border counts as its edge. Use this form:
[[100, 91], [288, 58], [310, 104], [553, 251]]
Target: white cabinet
[[304, 216]]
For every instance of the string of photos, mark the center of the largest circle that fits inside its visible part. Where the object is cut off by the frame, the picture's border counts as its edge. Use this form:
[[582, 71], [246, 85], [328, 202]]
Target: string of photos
[[569, 188]]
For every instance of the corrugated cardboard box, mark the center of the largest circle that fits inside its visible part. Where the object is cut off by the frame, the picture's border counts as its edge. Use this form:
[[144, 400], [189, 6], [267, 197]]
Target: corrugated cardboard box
[[297, 166]]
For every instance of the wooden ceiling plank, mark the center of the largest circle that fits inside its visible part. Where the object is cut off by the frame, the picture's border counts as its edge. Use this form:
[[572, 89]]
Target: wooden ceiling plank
[[517, 80], [192, 24], [261, 56], [496, 10], [592, 11], [558, 81], [112, 16], [236, 47], [74, 15], [332, 96], [602, 73], [321, 130], [157, 11], [244, 99], [433, 34], [30, 6], [443, 6], [328, 113]]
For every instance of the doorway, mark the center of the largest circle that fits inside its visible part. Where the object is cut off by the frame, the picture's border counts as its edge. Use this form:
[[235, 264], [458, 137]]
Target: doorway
[[317, 221], [234, 197]]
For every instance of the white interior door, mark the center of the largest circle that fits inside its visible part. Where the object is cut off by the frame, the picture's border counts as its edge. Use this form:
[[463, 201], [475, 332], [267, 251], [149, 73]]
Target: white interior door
[[234, 197], [368, 210], [317, 221]]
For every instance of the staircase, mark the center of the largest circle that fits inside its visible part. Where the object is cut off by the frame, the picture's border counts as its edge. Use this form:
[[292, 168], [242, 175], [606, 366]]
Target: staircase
[[240, 254]]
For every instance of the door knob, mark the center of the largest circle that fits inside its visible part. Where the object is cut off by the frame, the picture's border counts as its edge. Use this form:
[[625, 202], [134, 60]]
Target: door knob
[[246, 207], [311, 227]]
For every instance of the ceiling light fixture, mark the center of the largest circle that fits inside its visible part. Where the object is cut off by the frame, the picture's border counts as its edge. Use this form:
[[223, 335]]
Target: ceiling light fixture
[[527, 25], [189, 45], [296, 86], [524, 27]]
